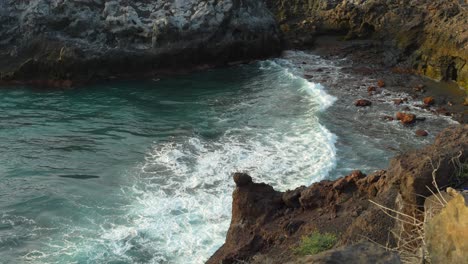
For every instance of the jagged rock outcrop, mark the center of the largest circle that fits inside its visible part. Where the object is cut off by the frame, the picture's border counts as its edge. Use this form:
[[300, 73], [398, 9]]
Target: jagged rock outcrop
[[431, 36], [266, 224], [83, 39]]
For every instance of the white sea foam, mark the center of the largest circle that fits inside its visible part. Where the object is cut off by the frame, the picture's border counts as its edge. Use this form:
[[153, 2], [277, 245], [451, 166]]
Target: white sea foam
[[183, 203]]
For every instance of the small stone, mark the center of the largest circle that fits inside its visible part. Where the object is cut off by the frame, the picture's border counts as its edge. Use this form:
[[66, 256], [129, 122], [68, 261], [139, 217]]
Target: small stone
[[242, 179], [406, 118], [388, 118], [371, 89], [421, 133], [398, 101], [380, 83], [428, 100], [362, 103]]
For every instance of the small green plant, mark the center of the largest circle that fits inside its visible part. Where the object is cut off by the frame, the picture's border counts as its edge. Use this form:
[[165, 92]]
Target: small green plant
[[463, 171], [315, 243]]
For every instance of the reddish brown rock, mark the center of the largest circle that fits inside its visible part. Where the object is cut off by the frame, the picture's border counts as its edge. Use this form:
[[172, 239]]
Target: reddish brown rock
[[428, 100], [380, 83], [362, 103], [421, 133], [398, 101], [406, 118], [371, 89], [267, 224]]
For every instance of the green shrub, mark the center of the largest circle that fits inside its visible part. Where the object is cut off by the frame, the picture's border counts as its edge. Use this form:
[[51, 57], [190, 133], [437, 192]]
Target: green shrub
[[315, 243]]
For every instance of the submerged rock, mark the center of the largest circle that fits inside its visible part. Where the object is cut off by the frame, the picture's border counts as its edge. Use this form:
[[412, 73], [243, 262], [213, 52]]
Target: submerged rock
[[421, 133]]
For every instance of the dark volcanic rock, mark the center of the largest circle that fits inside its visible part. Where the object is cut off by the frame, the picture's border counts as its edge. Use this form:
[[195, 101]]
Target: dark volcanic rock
[[84, 39], [267, 224], [362, 103], [242, 179]]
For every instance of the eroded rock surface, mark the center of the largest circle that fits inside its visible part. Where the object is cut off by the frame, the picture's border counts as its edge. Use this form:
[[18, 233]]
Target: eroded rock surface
[[430, 36], [71, 39]]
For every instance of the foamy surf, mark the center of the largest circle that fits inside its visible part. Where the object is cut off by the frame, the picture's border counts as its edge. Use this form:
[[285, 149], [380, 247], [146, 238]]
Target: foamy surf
[[183, 195], [174, 206]]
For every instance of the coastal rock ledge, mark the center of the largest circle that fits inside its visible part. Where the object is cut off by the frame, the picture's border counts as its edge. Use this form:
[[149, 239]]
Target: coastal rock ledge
[[267, 225], [96, 39]]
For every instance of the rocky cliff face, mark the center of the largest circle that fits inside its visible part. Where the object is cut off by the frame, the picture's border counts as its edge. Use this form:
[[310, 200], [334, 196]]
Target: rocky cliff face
[[82, 39], [266, 225], [430, 36]]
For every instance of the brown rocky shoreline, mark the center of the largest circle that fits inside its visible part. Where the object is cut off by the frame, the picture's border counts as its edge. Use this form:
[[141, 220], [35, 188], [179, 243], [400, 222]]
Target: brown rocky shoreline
[[267, 224]]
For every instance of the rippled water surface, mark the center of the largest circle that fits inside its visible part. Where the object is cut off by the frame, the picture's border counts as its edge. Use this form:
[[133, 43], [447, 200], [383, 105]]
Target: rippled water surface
[[139, 172]]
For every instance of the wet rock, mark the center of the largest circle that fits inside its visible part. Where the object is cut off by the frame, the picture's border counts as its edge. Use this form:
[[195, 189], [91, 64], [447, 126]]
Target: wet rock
[[398, 101], [371, 89], [406, 118], [363, 103], [421, 133], [428, 101]]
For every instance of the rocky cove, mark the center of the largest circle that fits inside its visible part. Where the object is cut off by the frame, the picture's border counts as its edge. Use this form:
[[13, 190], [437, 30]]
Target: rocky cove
[[396, 71]]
